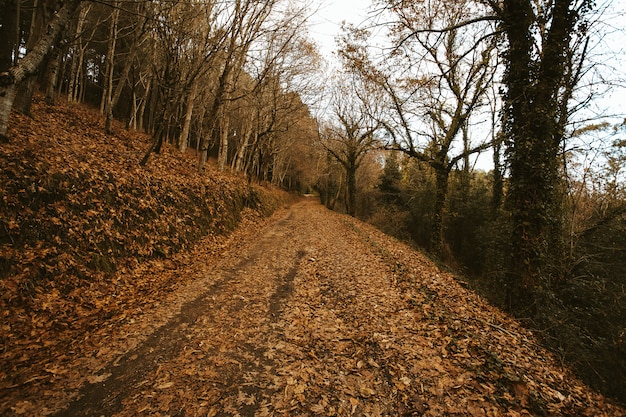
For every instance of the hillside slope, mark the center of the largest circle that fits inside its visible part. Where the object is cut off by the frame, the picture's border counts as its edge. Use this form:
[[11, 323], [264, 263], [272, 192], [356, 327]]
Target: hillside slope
[[80, 220]]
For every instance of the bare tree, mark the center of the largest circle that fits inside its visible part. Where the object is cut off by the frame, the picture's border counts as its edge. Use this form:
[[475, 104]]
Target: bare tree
[[186, 45], [351, 135], [434, 82], [138, 28], [245, 25], [265, 107]]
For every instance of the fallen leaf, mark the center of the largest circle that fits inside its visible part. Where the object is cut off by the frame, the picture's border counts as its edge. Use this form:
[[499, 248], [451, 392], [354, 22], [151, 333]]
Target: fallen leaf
[[95, 379]]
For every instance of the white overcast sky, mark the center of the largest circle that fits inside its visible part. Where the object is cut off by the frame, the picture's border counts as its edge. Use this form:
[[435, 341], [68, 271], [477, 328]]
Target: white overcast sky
[[327, 16], [325, 24]]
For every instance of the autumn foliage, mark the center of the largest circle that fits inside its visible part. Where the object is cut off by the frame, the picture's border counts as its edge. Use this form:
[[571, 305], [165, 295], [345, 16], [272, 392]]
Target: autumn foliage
[[79, 217]]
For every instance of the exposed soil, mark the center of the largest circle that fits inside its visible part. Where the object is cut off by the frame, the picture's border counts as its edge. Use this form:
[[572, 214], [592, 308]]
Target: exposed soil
[[309, 313]]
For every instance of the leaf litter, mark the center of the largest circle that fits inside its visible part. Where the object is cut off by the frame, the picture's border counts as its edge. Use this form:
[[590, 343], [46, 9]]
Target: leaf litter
[[323, 315], [90, 243], [307, 313]]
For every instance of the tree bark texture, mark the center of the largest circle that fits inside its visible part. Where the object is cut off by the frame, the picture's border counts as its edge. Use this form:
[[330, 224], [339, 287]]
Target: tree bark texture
[[351, 189], [52, 76], [534, 142], [223, 129], [26, 88], [441, 195], [184, 135]]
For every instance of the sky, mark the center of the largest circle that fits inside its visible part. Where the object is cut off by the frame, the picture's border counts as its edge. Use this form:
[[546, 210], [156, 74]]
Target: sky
[[325, 24]]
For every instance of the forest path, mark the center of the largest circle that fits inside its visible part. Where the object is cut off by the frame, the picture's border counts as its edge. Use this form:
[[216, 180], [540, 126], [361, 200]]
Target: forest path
[[320, 314]]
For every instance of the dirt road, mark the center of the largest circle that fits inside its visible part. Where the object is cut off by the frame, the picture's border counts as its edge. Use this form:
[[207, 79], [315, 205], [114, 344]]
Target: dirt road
[[317, 314]]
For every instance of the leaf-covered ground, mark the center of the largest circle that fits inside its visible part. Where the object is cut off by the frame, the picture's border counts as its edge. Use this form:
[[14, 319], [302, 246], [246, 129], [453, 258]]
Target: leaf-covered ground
[[318, 314], [306, 313], [87, 236]]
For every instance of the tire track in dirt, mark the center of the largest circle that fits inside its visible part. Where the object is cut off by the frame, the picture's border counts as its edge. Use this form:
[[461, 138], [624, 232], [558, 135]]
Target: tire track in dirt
[[323, 315], [105, 397]]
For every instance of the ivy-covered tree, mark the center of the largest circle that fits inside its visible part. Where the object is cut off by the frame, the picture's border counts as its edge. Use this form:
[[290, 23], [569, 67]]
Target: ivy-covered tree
[[538, 86]]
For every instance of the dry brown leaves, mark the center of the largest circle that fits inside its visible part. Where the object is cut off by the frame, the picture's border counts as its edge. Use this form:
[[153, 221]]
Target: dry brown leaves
[[88, 239], [322, 315], [310, 314]]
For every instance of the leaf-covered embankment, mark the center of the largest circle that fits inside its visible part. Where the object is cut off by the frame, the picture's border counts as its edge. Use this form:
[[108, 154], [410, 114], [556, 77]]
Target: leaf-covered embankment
[[78, 215]]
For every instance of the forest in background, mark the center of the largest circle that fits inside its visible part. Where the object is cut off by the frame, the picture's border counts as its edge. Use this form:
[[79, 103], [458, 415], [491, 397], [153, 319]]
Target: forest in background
[[541, 234]]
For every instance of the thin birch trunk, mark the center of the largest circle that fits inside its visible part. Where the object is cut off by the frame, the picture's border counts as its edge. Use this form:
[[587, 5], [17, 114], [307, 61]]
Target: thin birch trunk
[[184, 136], [108, 91]]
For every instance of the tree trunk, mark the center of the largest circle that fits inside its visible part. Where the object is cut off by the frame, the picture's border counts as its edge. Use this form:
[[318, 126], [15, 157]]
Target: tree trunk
[[108, 90], [154, 147], [24, 95], [214, 113], [441, 194], [241, 152], [245, 134], [200, 128], [184, 136], [142, 107], [132, 120], [31, 62], [26, 89], [75, 93], [498, 180], [254, 149], [78, 57], [52, 76], [72, 85], [351, 190], [7, 93], [533, 192], [222, 156], [130, 57]]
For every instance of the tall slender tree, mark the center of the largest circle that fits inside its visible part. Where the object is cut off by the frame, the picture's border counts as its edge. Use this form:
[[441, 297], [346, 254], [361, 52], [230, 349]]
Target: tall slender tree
[[10, 77]]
